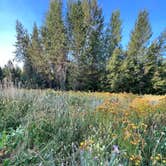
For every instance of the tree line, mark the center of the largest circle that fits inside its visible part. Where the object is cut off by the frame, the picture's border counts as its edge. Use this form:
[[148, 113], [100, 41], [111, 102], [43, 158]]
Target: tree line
[[75, 50]]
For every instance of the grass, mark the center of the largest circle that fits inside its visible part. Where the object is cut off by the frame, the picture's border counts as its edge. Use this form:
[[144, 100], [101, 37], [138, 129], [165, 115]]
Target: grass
[[47, 128]]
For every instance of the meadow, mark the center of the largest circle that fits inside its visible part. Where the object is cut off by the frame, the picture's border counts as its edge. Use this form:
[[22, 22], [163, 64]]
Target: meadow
[[54, 128]]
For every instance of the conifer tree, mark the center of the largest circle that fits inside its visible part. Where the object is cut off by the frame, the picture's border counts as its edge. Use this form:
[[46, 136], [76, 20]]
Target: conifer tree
[[114, 52], [156, 67], [77, 30], [55, 44], [35, 51], [85, 28], [113, 33], [115, 73], [22, 53], [93, 63], [133, 63]]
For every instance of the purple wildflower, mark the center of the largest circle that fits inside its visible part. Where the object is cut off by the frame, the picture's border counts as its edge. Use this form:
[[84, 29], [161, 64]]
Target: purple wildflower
[[116, 149]]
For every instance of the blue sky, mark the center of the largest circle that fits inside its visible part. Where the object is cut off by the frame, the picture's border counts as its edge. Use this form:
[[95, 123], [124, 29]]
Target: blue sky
[[28, 11]]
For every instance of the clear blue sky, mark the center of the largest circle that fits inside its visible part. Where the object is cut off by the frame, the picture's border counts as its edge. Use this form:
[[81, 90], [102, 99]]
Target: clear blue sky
[[28, 11]]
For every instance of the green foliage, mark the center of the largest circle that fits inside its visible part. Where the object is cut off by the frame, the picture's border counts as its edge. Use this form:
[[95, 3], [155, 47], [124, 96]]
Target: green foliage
[[74, 50], [133, 63], [113, 33], [85, 29], [55, 44], [73, 128], [114, 69]]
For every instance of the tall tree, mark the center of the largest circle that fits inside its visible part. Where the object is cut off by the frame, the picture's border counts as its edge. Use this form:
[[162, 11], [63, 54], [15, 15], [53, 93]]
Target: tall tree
[[22, 53], [93, 63], [113, 52], [85, 27], [77, 32], [55, 43], [155, 67], [114, 71], [35, 51], [133, 63], [113, 33]]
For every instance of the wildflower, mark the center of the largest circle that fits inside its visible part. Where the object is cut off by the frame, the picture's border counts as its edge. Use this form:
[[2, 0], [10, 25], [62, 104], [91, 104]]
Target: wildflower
[[164, 161], [132, 157], [158, 157], [135, 142], [114, 136], [116, 149], [86, 144], [127, 135], [137, 163]]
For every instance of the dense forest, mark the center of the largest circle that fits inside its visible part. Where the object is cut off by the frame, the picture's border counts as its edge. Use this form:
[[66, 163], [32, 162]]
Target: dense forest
[[76, 50]]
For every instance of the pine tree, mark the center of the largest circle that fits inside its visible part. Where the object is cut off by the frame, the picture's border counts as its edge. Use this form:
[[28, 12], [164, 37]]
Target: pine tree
[[22, 54], [35, 51], [133, 63], [16, 76], [156, 68], [22, 42], [113, 33], [55, 44], [115, 73], [85, 28], [1, 74], [77, 32], [93, 63], [159, 79], [113, 52]]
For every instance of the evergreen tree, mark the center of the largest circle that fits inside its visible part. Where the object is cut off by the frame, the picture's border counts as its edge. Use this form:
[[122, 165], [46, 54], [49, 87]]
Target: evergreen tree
[[115, 73], [22, 53], [93, 64], [159, 79], [133, 63], [85, 28], [35, 51], [17, 76], [77, 32], [113, 33], [156, 67], [113, 52], [55, 44], [1, 74]]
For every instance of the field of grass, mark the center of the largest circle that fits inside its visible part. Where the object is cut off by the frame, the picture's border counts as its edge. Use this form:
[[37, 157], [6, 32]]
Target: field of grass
[[49, 128]]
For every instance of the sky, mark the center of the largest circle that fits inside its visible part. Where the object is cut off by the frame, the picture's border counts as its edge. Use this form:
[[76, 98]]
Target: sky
[[30, 11]]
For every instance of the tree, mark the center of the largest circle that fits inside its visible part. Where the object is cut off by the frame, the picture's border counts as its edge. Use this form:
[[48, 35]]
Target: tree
[[156, 68], [113, 52], [17, 76], [1, 74], [35, 51], [159, 79], [113, 33], [93, 59], [85, 22], [55, 44], [114, 69], [22, 53], [77, 32], [133, 63]]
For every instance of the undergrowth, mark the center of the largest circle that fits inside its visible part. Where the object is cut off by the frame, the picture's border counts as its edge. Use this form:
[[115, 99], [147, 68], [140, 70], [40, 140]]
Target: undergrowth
[[50, 128]]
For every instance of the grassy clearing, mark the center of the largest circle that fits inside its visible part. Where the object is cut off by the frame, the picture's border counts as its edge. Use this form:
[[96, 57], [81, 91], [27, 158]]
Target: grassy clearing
[[74, 128]]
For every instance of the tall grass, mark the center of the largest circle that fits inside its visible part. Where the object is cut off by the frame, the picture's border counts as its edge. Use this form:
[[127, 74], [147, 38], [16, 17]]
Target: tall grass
[[44, 127]]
